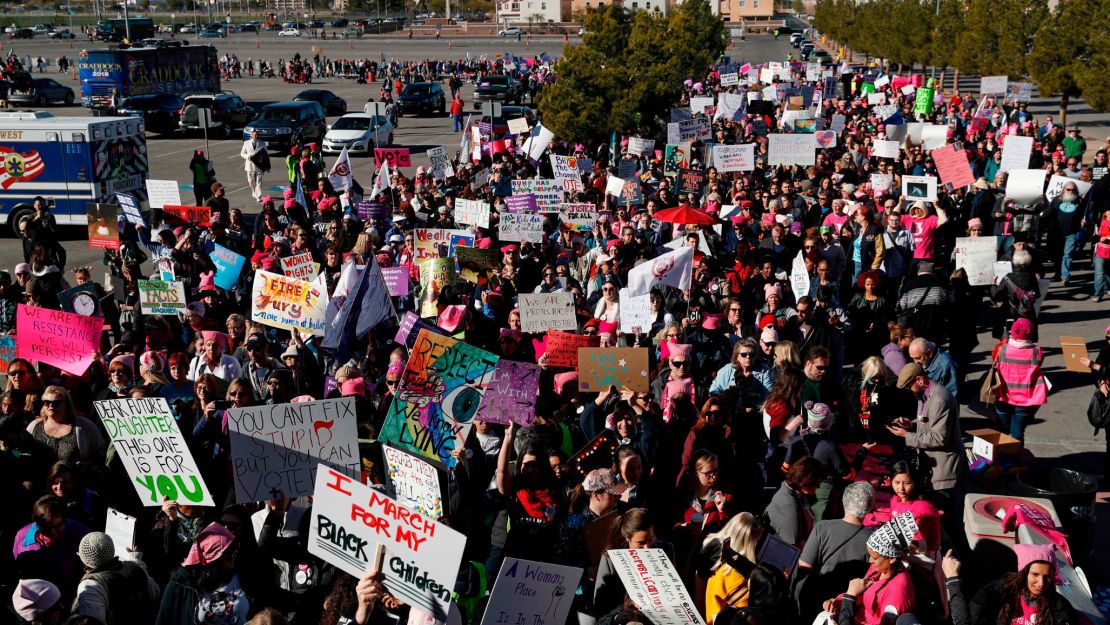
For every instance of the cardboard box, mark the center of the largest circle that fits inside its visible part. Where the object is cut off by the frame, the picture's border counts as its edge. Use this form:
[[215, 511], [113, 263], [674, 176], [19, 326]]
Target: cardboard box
[[991, 444]]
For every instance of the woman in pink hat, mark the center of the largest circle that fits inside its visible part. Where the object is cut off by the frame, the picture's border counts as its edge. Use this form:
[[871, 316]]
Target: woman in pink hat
[[1025, 391]]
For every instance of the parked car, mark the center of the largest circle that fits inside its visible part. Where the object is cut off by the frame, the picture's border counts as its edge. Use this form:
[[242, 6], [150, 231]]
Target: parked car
[[498, 88], [316, 23], [62, 34], [188, 29], [360, 133], [340, 23], [249, 27], [289, 32], [509, 32], [43, 29], [228, 111], [161, 112], [22, 33], [354, 32], [285, 124], [501, 124], [333, 104], [422, 97], [213, 33], [28, 91], [796, 39]]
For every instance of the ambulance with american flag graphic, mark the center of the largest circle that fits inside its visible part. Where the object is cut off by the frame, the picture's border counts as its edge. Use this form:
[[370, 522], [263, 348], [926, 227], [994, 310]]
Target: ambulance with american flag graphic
[[70, 161]]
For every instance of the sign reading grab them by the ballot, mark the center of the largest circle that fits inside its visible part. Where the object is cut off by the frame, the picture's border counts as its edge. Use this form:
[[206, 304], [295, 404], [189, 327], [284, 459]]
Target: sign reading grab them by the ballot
[[422, 556], [148, 441]]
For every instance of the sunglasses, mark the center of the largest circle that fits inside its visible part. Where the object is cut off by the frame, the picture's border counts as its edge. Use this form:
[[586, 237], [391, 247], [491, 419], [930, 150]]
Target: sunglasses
[[12, 372], [53, 403], [745, 354], [821, 367], [678, 363]]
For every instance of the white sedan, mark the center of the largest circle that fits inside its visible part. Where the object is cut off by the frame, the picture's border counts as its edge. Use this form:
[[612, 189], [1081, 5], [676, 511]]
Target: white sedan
[[510, 32], [359, 133], [290, 32]]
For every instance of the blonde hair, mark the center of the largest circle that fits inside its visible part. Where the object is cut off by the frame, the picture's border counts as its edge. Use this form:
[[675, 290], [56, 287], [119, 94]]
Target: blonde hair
[[743, 532], [787, 353], [62, 394], [875, 367]]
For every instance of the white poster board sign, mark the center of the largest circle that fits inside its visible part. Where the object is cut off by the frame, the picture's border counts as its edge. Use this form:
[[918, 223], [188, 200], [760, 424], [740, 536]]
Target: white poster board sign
[[540, 312], [472, 212], [635, 312], [536, 593], [162, 193], [885, 149], [976, 255], [1025, 185], [1016, 151], [413, 482], [153, 451], [919, 188], [1056, 185], [421, 556], [799, 277], [728, 158], [523, 227], [993, 85], [654, 586], [784, 149]]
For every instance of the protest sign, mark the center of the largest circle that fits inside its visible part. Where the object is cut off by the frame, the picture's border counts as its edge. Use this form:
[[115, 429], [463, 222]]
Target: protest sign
[[438, 396], [429, 243], [474, 262], [1016, 150], [797, 149], [540, 312], [728, 158], [548, 192], [67, 341], [691, 181], [825, 138], [876, 98], [1019, 91], [411, 325], [157, 297], [881, 182], [953, 167], [299, 266], [885, 149], [976, 255], [396, 157], [228, 266], [654, 586], [838, 122], [993, 85], [472, 212], [626, 168], [162, 193], [7, 352], [645, 147], [614, 185], [103, 225], [371, 209], [934, 136], [799, 276], [413, 482], [1002, 268], [511, 394], [923, 101], [562, 348], [121, 528], [730, 79], [635, 313], [565, 170], [525, 203], [440, 163], [698, 106], [275, 449], [631, 194], [164, 267], [538, 141], [1025, 185], [733, 106], [919, 188], [580, 217], [523, 227], [130, 208], [186, 215], [153, 451], [1074, 348], [357, 528], [539, 593], [1056, 185], [434, 275], [698, 128], [288, 303], [397, 280], [518, 125], [600, 367]]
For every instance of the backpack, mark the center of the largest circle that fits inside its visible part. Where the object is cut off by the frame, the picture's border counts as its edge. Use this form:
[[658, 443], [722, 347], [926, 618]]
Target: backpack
[[1023, 302], [1098, 411]]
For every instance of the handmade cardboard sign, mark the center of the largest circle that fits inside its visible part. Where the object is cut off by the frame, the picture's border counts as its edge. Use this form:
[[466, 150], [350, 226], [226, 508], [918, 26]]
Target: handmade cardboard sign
[[600, 367], [540, 312]]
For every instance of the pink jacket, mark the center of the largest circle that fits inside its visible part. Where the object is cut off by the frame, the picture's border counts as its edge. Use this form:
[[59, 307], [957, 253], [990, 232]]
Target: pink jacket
[[1021, 370]]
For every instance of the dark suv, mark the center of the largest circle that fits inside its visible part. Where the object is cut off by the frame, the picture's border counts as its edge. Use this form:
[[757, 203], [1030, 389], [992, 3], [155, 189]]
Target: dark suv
[[498, 88], [228, 113], [161, 112], [285, 124], [422, 97]]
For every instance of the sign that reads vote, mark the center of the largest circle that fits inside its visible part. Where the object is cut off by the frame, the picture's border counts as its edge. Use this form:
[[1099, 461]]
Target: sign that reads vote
[[157, 297], [654, 586], [511, 394], [64, 340], [396, 157], [299, 266], [287, 303], [413, 482], [275, 449], [184, 215], [533, 593], [600, 367], [153, 451], [540, 312], [350, 521]]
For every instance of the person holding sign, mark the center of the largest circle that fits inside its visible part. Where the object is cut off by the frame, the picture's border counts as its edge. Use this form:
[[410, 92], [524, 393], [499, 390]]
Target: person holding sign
[[534, 498]]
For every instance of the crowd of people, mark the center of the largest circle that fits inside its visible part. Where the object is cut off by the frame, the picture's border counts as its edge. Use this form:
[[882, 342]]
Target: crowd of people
[[810, 416]]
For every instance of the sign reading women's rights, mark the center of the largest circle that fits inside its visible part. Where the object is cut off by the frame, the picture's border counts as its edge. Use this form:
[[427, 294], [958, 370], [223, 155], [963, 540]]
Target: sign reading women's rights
[[275, 449], [288, 303], [536, 593], [157, 297], [64, 340], [511, 394], [421, 556], [654, 585], [413, 482], [438, 397], [153, 451]]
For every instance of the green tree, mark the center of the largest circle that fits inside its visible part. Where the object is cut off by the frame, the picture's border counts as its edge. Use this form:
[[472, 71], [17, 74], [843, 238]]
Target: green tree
[[1064, 49], [947, 25]]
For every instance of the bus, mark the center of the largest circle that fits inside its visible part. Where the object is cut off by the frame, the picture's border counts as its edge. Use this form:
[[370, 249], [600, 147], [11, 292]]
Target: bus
[[116, 30]]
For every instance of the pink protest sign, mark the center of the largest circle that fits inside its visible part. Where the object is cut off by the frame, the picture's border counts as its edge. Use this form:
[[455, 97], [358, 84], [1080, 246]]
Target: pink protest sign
[[953, 167], [64, 340]]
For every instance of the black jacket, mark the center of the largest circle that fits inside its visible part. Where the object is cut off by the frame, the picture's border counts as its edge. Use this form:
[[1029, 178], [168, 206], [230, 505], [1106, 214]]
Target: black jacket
[[987, 604]]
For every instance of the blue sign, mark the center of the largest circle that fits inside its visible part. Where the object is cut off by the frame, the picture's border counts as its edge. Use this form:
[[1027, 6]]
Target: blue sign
[[228, 267], [130, 209]]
